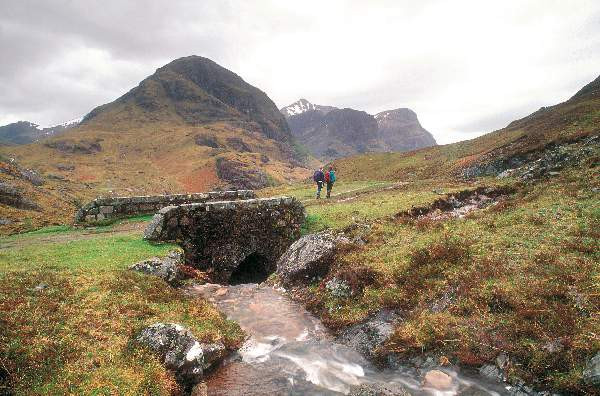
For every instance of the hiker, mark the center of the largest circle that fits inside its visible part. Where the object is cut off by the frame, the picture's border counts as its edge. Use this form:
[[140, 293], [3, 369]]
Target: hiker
[[319, 177], [329, 179]]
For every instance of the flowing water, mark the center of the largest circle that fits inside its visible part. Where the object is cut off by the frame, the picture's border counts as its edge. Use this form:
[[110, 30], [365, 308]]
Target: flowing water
[[289, 352]]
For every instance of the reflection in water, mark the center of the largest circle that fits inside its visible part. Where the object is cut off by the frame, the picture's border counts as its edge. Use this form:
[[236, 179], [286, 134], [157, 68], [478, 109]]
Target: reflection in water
[[289, 352]]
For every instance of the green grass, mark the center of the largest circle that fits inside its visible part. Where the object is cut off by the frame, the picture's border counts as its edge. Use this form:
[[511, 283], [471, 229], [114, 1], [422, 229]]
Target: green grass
[[516, 277], [98, 254], [364, 201], [74, 336], [51, 230]]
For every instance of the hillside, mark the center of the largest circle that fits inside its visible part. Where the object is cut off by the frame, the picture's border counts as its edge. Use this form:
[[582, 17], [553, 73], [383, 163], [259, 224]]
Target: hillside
[[329, 133], [191, 126], [521, 141], [483, 254], [29, 200]]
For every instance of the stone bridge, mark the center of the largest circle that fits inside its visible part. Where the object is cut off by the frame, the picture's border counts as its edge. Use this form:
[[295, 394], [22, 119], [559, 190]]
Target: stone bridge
[[102, 209], [233, 241]]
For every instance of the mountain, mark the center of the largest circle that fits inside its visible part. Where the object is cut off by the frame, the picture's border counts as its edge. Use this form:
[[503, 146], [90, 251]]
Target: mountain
[[338, 133], [193, 91], [303, 106], [329, 133], [190, 126], [24, 132], [533, 138], [400, 130]]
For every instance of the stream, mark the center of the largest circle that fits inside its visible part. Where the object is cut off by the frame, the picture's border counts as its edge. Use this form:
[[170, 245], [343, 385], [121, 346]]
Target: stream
[[289, 352]]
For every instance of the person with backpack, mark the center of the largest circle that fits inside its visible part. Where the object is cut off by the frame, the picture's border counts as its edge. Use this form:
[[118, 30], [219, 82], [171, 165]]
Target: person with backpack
[[319, 178], [329, 179]]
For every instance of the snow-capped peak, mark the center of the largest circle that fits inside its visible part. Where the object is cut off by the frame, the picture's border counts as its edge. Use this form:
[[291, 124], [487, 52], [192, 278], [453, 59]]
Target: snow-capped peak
[[298, 107], [69, 123]]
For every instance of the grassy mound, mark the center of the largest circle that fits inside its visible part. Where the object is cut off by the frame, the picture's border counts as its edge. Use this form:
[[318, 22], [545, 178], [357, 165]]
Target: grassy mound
[[69, 308]]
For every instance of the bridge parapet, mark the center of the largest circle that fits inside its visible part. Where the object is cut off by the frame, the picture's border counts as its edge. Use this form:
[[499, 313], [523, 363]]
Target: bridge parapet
[[101, 209]]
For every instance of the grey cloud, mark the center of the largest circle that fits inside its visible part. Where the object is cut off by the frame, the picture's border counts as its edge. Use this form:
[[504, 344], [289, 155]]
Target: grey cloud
[[61, 58]]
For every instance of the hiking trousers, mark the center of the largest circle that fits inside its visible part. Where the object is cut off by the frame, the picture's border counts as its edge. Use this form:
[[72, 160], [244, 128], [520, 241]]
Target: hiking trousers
[[329, 187], [319, 188]]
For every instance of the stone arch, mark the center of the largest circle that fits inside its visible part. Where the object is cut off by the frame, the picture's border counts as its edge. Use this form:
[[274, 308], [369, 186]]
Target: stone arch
[[254, 268], [240, 238]]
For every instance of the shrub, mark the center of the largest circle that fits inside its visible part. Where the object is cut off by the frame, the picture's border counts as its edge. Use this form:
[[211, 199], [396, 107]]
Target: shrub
[[357, 277]]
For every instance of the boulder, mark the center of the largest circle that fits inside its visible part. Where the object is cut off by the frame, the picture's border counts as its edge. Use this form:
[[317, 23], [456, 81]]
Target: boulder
[[181, 352], [167, 268], [32, 177], [308, 258], [591, 373], [366, 337], [11, 196], [376, 389], [438, 380], [492, 372]]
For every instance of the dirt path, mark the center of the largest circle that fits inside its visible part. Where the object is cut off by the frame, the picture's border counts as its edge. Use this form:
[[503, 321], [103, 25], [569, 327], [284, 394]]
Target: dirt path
[[349, 195], [126, 228]]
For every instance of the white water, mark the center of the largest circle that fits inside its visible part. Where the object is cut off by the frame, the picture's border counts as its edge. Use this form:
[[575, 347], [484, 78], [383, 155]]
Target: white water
[[289, 352]]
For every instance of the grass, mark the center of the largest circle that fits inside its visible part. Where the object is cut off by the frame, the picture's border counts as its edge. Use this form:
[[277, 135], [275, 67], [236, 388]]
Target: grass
[[74, 336], [514, 278]]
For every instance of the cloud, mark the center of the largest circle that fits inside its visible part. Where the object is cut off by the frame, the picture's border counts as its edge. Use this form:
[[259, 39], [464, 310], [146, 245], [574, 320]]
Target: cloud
[[465, 67]]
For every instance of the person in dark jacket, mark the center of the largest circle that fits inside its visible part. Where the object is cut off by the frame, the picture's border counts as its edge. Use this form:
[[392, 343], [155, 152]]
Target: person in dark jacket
[[319, 178], [329, 179]]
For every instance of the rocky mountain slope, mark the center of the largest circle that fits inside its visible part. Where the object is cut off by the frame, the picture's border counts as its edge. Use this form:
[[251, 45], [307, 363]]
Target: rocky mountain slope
[[329, 132], [24, 132], [193, 90], [191, 126], [29, 200], [400, 130]]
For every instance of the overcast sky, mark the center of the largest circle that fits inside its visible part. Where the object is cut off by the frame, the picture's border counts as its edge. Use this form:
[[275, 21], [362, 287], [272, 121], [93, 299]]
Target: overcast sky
[[465, 67]]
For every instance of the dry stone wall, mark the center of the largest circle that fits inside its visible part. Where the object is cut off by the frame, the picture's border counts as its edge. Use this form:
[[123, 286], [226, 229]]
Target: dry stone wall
[[223, 238], [102, 209]]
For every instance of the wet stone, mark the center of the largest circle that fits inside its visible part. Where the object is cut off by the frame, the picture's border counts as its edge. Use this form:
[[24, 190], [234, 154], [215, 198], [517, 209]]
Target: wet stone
[[306, 259], [180, 351], [374, 389], [438, 380], [166, 268], [591, 373]]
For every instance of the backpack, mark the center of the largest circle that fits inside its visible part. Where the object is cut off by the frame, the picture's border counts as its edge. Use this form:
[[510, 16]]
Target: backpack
[[327, 177], [331, 176]]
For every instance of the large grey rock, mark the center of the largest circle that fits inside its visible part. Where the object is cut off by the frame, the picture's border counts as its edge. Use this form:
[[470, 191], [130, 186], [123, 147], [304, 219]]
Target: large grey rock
[[591, 374], [12, 196], [366, 337], [308, 258], [180, 351], [166, 268]]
